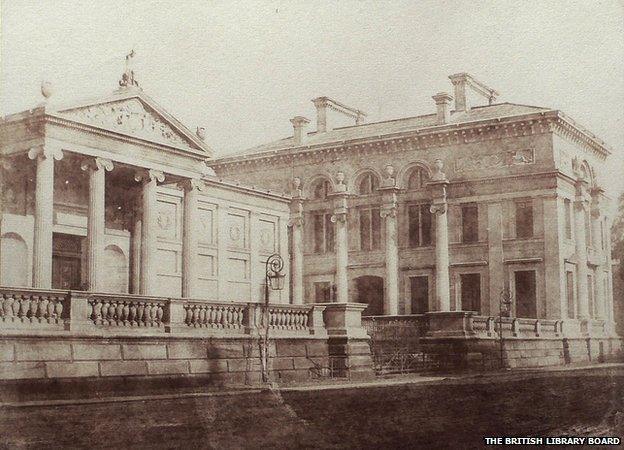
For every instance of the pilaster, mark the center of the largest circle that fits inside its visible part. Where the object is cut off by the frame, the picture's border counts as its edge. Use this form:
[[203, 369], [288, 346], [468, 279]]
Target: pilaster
[[191, 188], [581, 205], [388, 213]]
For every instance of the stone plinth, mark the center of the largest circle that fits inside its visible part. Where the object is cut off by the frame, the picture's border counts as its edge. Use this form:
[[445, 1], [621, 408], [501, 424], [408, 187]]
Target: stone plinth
[[449, 324]]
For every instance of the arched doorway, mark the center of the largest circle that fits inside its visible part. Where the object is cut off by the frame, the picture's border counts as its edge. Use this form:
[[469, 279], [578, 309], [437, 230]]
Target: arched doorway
[[370, 290]]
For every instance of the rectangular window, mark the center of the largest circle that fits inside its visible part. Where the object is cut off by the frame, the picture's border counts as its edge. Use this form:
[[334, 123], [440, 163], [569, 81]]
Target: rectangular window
[[570, 294], [370, 229], [524, 219], [470, 286], [419, 225], [323, 233], [526, 295], [419, 287], [470, 223], [568, 218], [322, 292]]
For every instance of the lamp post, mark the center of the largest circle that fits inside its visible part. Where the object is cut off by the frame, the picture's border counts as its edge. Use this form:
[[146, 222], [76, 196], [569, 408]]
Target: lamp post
[[504, 305], [275, 280]]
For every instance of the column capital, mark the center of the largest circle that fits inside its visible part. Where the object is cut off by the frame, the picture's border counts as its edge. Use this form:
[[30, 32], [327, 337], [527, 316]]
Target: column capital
[[45, 152], [191, 184], [149, 175], [388, 211], [97, 163], [339, 216], [438, 208]]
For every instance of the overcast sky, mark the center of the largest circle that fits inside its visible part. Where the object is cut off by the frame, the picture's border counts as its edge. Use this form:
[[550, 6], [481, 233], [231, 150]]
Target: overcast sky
[[242, 69]]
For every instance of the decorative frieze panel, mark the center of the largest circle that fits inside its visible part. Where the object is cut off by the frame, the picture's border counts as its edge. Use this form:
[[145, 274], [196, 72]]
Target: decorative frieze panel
[[168, 220], [206, 226], [237, 229], [207, 265], [129, 117], [238, 268], [495, 160], [267, 235], [168, 262]]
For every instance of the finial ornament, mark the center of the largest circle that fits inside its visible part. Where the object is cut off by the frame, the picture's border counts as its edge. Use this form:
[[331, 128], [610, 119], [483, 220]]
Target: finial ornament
[[47, 89], [127, 79], [201, 133]]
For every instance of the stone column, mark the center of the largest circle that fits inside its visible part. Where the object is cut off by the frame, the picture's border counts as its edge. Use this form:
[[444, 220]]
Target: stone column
[[190, 237], [599, 278], [439, 208], [341, 244], [149, 242], [581, 206], [96, 168], [389, 214], [44, 201], [296, 223], [135, 252]]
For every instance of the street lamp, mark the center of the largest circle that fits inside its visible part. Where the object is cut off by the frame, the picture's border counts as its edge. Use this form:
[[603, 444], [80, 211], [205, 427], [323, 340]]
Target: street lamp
[[504, 305], [274, 280]]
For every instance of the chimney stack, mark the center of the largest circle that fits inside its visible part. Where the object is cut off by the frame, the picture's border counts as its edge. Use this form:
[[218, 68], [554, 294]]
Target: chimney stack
[[459, 81], [299, 124], [442, 100], [462, 81], [321, 113]]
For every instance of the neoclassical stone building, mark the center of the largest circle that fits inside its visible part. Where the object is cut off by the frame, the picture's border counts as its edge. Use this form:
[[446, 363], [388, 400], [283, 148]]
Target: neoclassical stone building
[[442, 212], [114, 195]]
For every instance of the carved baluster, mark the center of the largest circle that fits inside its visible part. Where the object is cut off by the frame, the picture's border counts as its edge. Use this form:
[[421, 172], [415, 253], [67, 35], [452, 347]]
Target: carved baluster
[[229, 317], [8, 307], [140, 313], [235, 315], [213, 316], [147, 314], [105, 307], [126, 313], [218, 316], [154, 314], [195, 320], [132, 312], [201, 315], [189, 315], [17, 304], [97, 311], [42, 309], [160, 312], [306, 316], [119, 312]]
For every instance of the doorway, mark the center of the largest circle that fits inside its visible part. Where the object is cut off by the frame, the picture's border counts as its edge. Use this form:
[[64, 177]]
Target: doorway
[[419, 290], [370, 290], [67, 261], [526, 298]]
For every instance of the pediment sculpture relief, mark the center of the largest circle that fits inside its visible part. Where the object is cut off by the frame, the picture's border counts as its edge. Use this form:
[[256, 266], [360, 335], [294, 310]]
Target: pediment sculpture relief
[[129, 117]]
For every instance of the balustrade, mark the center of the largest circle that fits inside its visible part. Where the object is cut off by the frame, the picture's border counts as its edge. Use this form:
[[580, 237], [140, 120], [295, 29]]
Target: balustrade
[[210, 315], [126, 312], [32, 306], [288, 318]]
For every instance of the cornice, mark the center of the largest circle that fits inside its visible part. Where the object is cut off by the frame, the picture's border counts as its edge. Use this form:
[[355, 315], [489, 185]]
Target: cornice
[[430, 137], [235, 186]]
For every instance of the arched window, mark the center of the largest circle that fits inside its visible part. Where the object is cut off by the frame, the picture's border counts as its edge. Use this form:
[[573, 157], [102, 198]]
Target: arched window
[[417, 179], [368, 184], [321, 189]]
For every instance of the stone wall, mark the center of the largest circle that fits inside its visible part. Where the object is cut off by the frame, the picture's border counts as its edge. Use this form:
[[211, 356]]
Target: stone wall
[[226, 360]]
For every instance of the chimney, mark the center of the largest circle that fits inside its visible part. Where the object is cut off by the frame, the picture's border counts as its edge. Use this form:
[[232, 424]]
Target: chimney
[[321, 113], [299, 124], [459, 81], [442, 100], [462, 81]]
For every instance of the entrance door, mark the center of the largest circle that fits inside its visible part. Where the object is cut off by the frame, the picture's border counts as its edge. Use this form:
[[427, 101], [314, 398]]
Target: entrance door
[[65, 272], [526, 298], [66, 261], [419, 289], [370, 290]]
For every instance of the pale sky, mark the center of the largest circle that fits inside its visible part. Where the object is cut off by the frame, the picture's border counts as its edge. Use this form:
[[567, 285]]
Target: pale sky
[[243, 69]]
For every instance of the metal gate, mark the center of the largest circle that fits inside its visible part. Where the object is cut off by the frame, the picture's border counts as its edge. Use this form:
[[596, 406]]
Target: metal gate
[[396, 344]]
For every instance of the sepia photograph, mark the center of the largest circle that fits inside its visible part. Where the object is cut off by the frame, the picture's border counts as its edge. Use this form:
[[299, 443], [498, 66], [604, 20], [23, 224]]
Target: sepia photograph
[[329, 224]]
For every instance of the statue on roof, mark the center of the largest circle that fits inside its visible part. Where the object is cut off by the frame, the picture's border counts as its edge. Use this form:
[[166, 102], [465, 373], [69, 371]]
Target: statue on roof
[[127, 79]]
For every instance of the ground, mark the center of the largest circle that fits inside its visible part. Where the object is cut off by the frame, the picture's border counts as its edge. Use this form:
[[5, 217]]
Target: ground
[[454, 412]]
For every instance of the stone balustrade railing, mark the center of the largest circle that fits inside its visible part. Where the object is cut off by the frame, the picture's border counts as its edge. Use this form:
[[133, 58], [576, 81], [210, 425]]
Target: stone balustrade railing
[[30, 309], [127, 311]]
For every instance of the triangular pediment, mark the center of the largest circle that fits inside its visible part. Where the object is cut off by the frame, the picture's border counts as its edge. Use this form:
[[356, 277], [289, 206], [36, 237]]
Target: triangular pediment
[[137, 117]]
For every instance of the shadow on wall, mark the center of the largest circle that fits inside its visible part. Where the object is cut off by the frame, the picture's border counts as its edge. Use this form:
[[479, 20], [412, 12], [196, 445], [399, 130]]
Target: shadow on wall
[[370, 290]]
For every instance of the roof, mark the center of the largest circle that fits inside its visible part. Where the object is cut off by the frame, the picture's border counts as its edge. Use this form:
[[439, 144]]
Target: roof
[[375, 129]]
